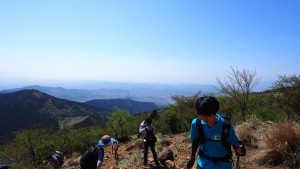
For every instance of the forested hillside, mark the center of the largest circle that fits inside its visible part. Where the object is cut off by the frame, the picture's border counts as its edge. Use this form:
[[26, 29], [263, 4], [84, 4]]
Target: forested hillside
[[128, 105], [33, 109], [267, 123]]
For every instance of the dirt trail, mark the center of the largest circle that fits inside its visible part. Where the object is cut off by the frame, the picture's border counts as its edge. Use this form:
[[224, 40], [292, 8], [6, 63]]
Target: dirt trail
[[132, 159]]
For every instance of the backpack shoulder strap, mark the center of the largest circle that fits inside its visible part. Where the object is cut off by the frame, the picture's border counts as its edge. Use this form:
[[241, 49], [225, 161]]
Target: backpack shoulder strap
[[200, 130], [225, 132]]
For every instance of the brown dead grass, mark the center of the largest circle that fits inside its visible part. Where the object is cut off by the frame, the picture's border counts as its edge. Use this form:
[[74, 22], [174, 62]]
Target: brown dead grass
[[266, 144], [281, 146]]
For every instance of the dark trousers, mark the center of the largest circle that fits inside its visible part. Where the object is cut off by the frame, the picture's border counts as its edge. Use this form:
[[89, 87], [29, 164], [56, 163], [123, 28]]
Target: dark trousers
[[152, 148]]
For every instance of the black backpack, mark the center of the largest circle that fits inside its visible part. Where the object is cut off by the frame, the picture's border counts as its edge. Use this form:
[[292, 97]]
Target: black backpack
[[150, 137], [90, 157], [3, 166], [224, 136]]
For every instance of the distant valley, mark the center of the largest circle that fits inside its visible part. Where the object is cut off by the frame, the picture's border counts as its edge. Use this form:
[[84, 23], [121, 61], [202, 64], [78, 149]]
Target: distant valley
[[159, 94]]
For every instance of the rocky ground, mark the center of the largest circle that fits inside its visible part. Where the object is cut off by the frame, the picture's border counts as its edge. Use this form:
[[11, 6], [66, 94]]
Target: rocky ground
[[130, 155]]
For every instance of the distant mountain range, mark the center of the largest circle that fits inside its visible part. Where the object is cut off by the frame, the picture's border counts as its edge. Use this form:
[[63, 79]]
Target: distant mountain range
[[159, 94], [129, 105]]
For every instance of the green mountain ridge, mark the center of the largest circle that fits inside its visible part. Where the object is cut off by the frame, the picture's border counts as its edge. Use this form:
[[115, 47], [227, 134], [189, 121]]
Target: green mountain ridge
[[131, 106], [31, 108]]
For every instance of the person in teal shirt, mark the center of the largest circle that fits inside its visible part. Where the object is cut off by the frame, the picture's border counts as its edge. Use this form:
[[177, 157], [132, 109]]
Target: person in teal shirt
[[212, 152]]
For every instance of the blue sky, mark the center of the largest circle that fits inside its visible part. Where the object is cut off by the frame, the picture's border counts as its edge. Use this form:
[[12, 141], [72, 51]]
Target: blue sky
[[148, 41]]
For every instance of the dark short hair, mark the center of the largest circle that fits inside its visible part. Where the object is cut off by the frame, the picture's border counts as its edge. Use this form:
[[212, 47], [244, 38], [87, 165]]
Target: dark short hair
[[207, 105], [148, 121]]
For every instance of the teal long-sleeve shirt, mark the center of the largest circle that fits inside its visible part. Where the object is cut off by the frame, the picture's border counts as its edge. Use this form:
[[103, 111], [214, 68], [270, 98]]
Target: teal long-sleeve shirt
[[212, 148]]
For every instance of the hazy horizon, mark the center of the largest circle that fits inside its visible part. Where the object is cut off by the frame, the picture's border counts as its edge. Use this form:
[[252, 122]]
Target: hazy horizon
[[94, 84]]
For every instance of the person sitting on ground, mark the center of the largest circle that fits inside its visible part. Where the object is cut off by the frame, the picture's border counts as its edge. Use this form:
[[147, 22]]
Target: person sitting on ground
[[56, 159], [215, 149], [146, 129], [105, 141]]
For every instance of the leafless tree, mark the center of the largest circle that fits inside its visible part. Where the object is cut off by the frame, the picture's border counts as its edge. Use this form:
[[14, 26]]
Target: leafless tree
[[238, 85]]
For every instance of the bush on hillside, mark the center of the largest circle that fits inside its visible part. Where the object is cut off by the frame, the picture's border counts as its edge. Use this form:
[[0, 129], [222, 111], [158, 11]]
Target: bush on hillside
[[120, 123], [266, 114], [288, 95], [31, 146]]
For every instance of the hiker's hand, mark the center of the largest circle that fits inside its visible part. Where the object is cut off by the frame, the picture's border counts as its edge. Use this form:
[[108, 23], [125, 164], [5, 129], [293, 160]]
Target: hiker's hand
[[240, 150], [190, 163], [143, 125]]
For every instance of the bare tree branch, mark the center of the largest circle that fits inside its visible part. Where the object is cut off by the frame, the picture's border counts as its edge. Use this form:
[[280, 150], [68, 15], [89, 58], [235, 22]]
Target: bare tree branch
[[238, 85]]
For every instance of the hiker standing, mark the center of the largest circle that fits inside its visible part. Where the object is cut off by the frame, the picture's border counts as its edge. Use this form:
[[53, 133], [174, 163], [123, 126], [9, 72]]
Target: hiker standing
[[146, 129], [208, 131], [114, 148], [56, 159], [105, 141]]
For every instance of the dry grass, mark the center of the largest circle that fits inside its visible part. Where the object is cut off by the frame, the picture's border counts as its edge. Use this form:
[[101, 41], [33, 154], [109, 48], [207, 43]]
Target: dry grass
[[132, 159], [250, 131], [281, 146], [247, 136]]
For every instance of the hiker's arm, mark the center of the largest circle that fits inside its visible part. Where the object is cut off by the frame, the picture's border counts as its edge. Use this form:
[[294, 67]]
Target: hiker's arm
[[100, 158], [195, 145], [194, 137], [191, 161], [47, 164], [99, 163], [142, 127]]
